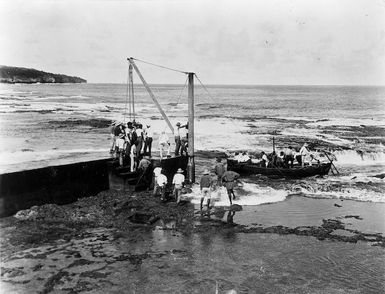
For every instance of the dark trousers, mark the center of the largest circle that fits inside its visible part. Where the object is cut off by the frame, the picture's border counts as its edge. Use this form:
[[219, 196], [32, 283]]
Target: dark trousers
[[177, 145], [139, 144], [147, 145], [184, 143]]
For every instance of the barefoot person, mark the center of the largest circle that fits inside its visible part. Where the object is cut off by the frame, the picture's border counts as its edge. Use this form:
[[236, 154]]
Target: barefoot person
[[205, 188], [228, 179]]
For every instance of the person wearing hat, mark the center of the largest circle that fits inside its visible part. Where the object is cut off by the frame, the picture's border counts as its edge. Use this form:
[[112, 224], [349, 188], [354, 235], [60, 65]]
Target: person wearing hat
[[144, 163], [178, 182], [205, 185], [161, 185], [177, 139], [147, 140]]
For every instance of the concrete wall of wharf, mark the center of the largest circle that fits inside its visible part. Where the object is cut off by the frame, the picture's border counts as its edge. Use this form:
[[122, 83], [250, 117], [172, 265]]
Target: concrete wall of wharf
[[61, 184]]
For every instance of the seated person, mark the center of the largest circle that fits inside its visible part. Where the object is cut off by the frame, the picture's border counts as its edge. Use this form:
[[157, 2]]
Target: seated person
[[280, 162], [265, 160], [289, 157]]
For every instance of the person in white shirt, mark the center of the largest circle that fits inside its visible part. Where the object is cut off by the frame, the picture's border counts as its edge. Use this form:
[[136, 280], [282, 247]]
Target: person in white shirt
[[244, 157], [157, 171], [133, 162], [164, 143], [178, 181], [305, 154], [162, 182], [148, 140]]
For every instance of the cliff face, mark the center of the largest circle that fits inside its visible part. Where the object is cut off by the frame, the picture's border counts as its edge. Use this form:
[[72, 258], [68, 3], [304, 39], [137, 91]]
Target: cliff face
[[12, 75]]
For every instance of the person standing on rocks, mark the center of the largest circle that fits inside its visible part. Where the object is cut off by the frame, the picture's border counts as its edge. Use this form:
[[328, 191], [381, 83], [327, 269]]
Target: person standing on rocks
[[205, 185], [157, 171], [162, 182], [229, 178], [178, 182]]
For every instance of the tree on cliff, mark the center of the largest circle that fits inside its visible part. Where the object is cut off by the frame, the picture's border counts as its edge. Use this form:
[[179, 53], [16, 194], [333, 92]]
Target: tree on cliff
[[12, 75]]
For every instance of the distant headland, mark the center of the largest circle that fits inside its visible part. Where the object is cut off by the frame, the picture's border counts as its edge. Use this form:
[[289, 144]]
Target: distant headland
[[14, 75]]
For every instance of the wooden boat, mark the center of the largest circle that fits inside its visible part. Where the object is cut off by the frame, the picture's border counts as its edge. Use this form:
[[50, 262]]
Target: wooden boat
[[249, 168], [143, 180]]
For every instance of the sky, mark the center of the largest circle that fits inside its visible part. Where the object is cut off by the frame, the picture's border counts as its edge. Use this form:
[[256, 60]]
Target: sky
[[298, 42]]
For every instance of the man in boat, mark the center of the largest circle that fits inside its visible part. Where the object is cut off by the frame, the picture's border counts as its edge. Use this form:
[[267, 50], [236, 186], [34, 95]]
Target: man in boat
[[304, 155], [205, 185], [219, 170], [178, 182], [289, 157], [177, 139], [265, 161], [228, 179], [164, 143], [148, 140], [244, 157], [120, 144]]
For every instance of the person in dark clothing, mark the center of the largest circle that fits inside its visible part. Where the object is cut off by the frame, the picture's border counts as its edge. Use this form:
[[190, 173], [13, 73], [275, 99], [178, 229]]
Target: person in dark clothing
[[205, 185], [147, 140], [229, 178], [289, 157], [178, 142], [219, 170]]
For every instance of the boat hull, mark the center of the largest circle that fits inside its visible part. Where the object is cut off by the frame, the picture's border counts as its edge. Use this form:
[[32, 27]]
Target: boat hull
[[295, 172]]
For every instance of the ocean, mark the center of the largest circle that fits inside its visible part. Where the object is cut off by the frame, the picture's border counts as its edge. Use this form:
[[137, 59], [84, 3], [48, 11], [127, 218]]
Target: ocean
[[50, 124]]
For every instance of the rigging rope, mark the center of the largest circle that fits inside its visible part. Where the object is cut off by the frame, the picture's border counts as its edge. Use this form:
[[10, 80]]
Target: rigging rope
[[180, 94], [127, 98], [212, 99], [161, 66]]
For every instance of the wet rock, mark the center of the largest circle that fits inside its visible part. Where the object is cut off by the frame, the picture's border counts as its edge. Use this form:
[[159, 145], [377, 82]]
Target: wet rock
[[337, 205], [236, 207]]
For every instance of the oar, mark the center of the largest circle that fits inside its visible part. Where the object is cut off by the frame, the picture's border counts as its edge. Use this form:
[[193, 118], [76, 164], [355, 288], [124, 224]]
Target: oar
[[331, 161]]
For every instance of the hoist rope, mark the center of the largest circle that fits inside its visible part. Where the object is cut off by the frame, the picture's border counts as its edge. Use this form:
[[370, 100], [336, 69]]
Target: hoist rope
[[127, 98], [161, 66]]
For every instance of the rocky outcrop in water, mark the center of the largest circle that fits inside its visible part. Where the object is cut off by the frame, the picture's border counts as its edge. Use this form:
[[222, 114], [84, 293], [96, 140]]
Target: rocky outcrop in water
[[14, 75]]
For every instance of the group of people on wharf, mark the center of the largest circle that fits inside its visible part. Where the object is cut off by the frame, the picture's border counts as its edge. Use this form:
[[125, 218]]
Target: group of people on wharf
[[285, 159], [131, 142]]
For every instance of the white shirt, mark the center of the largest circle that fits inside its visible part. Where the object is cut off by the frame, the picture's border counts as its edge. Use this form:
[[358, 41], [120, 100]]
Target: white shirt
[[161, 180], [243, 158], [139, 132], [176, 131], [178, 179], [149, 132], [304, 151], [183, 132], [157, 171], [264, 157]]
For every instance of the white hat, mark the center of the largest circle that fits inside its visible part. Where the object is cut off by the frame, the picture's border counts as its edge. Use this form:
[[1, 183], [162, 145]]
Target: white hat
[[179, 170], [206, 172]]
